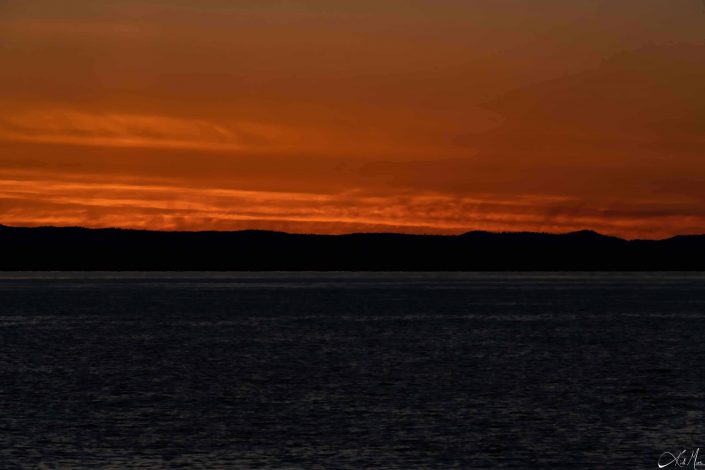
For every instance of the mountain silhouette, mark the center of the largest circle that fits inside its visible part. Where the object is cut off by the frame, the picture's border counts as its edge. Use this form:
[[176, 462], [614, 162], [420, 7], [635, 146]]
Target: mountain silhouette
[[75, 248]]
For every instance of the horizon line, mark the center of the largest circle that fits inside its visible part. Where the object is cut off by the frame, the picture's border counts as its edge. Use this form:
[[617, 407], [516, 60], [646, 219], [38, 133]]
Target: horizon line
[[520, 232]]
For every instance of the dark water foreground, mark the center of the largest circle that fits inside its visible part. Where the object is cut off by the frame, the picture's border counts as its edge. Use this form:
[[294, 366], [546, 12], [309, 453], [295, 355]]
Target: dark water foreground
[[350, 370]]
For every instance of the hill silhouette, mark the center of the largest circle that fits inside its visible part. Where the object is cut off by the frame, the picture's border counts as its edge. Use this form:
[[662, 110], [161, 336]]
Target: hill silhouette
[[74, 248]]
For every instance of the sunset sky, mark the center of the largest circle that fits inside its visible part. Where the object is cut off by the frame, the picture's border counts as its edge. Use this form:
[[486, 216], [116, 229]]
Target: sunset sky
[[334, 116]]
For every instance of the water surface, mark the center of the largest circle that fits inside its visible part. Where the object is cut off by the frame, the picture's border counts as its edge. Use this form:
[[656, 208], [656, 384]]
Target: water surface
[[350, 370]]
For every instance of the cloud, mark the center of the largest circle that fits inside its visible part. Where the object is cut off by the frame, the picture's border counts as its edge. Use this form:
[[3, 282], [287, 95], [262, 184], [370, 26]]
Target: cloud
[[85, 202], [135, 130]]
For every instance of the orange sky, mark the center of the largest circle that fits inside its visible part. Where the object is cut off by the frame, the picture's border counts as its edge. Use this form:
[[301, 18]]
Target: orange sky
[[425, 116]]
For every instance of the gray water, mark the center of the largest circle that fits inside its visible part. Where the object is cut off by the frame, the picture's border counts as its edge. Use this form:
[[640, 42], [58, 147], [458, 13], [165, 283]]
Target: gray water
[[340, 370]]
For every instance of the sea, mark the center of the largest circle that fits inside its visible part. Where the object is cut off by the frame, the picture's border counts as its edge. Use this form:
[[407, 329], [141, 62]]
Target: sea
[[300, 370]]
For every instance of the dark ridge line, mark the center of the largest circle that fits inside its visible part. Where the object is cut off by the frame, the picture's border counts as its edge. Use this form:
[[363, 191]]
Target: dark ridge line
[[86, 249], [312, 234]]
